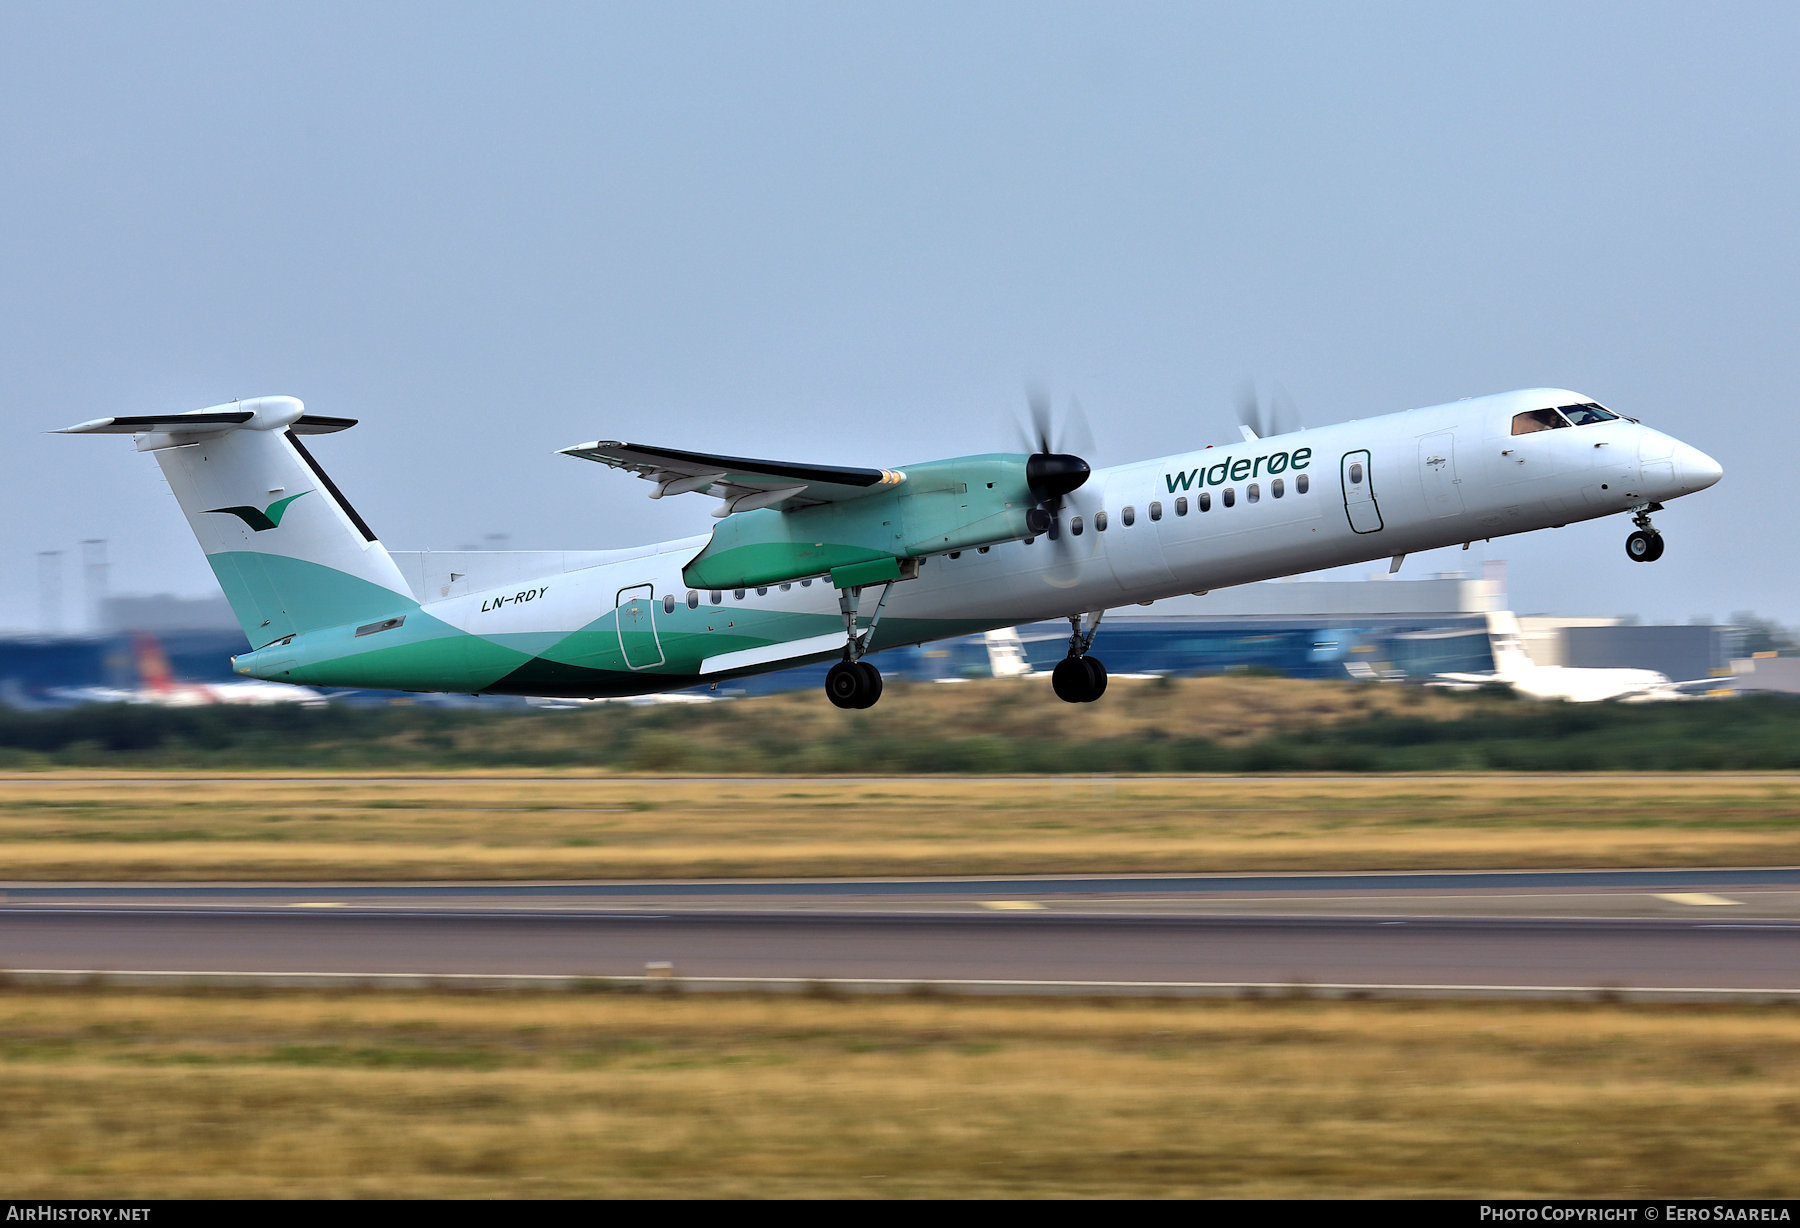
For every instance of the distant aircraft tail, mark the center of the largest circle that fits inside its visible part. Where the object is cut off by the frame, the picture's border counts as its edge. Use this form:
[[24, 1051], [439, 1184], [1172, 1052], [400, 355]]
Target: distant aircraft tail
[[290, 552], [152, 666], [1511, 661], [1006, 653]]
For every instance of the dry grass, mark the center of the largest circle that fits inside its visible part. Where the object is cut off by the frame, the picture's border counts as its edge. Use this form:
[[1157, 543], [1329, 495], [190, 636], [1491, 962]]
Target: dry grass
[[1230, 709], [345, 827], [118, 1094]]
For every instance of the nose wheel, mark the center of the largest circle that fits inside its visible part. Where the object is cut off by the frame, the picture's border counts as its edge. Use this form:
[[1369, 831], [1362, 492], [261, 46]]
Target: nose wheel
[[853, 684], [1644, 547], [1646, 544]]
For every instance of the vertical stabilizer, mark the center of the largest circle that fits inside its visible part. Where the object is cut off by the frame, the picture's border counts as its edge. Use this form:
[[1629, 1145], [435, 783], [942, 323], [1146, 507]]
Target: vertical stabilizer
[[1511, 661], [1006, 653], [287, 548]]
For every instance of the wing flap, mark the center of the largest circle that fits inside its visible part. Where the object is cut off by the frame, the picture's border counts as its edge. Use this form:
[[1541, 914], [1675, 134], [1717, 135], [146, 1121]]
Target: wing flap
[[742, 482]]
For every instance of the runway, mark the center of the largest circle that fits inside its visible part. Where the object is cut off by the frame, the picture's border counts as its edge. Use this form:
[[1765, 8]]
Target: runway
[[1664, 930]]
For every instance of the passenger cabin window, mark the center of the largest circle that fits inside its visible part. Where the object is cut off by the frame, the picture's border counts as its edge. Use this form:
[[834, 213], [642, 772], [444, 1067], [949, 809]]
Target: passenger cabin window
[[1075, 525], [1181, 506], [1155, 511], [1253, 492], [1356, 473], [787, 586], [1302, 483], [693, 600], [1276, 488], [737, 594], [1534, 420], [668, 603], [762, 590], [1128, 516], [1205, 501], [806, 583], [717, 596], [1099, 522], [1229, 497], [1587, 415]]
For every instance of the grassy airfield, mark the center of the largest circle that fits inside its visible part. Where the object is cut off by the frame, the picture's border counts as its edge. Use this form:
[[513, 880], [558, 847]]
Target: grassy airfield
[[150, 826], [140, 1095], [117, 1093]]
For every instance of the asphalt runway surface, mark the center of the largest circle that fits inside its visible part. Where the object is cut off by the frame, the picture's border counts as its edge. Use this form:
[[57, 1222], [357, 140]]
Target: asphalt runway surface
[[1699, 929]]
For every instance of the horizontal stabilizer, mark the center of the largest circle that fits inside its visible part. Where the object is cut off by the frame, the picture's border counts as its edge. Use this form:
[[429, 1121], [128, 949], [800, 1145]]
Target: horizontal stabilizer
[[259, 414], [744, 484]]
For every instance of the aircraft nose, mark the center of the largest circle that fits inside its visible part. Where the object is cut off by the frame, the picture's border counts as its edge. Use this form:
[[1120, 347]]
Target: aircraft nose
[[1694, 469]]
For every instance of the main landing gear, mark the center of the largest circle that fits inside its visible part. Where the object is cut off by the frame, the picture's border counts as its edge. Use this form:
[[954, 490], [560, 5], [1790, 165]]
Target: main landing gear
[[853, 682], [1079, 678], [1646, 544]]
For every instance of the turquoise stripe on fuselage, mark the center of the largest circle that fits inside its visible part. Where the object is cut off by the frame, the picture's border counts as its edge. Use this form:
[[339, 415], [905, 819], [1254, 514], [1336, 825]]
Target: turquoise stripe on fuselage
[[424, 653]]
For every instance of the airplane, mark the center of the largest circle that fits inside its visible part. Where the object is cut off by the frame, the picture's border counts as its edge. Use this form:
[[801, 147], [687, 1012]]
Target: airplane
[[809, 562], [163, 688], [158, 686], [1514, 668]]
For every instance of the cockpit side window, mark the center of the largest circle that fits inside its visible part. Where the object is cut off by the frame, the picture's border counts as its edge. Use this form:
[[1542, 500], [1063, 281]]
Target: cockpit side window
[[1585, 415], [1534, 420]]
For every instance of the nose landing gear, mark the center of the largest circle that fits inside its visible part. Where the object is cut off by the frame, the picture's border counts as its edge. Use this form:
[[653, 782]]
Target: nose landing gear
[[1646, 544]]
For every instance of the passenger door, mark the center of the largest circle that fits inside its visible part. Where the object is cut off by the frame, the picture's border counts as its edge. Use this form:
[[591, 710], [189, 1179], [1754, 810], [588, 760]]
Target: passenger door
[[1359, 493], [638, 641]]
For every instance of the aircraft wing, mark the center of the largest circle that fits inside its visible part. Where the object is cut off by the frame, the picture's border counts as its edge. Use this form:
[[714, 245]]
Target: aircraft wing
[[743, 484]]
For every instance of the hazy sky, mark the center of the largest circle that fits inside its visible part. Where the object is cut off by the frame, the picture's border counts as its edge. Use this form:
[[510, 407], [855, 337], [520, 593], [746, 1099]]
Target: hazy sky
[[851, 233]]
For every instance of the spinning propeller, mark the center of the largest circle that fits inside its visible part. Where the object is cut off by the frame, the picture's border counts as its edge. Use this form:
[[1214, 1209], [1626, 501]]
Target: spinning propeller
[[1053, 474], [1050, 472], [1259, 418]]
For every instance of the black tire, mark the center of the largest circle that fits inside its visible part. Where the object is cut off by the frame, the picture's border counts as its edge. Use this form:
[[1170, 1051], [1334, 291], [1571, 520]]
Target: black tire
[[871, 684], [844, 685], [1070, 680], [1640, 547], [1096, 672], [1656, 547]]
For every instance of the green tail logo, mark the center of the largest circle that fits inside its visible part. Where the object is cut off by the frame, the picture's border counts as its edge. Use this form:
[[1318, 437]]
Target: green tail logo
[[260, 519]]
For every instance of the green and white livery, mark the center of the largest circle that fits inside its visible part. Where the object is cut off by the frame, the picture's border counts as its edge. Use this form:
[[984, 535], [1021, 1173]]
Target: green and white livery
[[811, 562]]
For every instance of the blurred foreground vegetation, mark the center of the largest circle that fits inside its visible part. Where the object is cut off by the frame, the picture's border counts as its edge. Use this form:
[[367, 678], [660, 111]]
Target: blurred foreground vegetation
[[1231, 724], [123, 1094]]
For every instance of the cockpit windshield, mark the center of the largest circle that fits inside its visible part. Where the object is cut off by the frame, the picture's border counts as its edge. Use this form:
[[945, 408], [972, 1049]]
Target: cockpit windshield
[[1534, 420], [1585, 415]]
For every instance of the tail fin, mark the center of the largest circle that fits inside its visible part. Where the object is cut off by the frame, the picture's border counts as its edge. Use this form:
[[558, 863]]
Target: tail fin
[[1510, 658], [287, 548], [1006, 653], [152, 666]]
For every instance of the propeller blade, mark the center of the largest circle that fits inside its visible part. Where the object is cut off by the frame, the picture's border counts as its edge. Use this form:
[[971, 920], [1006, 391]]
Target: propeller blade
[[1284, 414], [1251, 421], [1037, 403]]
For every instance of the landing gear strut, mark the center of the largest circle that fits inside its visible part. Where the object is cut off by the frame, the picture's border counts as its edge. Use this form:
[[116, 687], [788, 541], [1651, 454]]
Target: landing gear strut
[[1079, 678], [1646, 544], [853, 682]]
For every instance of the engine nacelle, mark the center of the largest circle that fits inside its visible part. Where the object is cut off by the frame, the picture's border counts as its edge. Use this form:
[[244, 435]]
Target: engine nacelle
[[941, 506]]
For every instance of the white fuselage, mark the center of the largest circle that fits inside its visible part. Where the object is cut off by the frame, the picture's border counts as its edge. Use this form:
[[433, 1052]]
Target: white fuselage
[[1374, 489]]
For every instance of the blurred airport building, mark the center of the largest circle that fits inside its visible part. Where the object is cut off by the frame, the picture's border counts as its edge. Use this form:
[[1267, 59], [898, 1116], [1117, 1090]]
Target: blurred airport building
[[1384, 627]]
